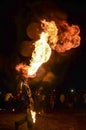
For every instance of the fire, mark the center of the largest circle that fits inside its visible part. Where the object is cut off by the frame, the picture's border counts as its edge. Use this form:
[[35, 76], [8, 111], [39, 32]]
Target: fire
[[42, 51], [52, 38], [33, 114], [22, 68], [52, 30], [68, 37], [41, 54]]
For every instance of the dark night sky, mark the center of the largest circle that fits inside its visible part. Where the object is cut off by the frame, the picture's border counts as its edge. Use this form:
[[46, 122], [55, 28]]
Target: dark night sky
[[76, 72]]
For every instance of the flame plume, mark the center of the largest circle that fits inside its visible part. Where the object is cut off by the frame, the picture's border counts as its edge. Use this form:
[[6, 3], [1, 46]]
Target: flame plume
[[52, 38], [52, 30], [41, 54], [64, 38], [68, 37]]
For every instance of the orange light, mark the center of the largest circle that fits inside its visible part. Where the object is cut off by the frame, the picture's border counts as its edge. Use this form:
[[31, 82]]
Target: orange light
[[33, 114]]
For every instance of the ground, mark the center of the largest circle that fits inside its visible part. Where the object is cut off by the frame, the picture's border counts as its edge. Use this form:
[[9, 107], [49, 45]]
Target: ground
[[60, 120]]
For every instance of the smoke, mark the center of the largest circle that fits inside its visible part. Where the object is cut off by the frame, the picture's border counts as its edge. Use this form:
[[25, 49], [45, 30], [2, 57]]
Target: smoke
[[49, 77]]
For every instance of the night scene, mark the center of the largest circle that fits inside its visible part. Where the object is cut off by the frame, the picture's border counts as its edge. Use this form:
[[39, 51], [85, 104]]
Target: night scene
[[43, 65]]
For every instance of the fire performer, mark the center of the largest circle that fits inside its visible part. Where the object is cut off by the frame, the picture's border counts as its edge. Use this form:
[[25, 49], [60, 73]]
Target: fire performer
[[30, 107], [60, 39]]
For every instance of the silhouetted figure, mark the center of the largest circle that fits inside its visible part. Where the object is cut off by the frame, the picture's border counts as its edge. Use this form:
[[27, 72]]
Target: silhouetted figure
[[29, 102]]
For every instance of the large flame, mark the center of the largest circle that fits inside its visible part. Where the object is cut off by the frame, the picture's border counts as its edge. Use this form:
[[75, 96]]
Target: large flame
[[52, 30], [41, 54], [68, 37], [52, 38]]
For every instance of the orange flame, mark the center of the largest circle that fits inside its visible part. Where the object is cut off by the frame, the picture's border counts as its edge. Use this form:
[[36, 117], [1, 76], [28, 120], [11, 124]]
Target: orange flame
[[52, 30], [68, 37], [33, 114], [23, 69], [41, 54], [60, 40]]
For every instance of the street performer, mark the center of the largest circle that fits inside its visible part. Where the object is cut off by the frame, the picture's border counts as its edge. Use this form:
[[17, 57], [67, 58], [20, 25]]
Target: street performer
[[30, 106]]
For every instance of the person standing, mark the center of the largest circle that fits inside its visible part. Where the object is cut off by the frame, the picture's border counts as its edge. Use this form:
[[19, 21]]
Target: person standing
[[26, 93], [62, 100]]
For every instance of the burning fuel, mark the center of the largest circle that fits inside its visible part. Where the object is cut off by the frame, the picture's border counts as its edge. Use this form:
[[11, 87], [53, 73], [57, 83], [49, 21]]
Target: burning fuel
[[52, 30], [59, 37], [64, 38], [33, 114], [68, 38], [41, 54]]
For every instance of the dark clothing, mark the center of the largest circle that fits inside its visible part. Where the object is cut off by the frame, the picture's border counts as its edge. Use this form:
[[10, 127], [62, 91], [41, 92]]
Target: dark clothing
[[27, 118], [27, 98]]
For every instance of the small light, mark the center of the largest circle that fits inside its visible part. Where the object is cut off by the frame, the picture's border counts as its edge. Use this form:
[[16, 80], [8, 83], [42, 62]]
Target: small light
[[53, 90], [13, 109], [71, 90]]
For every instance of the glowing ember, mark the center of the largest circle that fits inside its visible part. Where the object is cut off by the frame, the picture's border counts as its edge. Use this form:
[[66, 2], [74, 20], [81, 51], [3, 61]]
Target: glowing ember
[[33, 114]]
